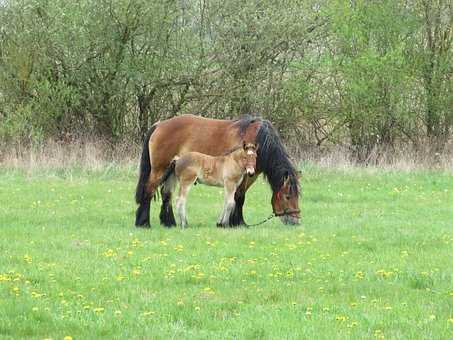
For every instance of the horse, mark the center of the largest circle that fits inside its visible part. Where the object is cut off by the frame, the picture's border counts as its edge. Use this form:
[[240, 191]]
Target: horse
[[186, 133], [225, 171]]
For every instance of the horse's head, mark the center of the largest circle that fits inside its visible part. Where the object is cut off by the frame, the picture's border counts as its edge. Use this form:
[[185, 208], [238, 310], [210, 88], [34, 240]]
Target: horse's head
[[285, 202], [249, 157]]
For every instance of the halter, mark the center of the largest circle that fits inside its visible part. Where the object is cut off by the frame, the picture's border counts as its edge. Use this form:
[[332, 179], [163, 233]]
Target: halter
[[285, 212]]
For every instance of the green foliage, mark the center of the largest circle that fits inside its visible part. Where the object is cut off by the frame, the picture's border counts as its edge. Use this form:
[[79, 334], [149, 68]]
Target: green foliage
[[369, 74]]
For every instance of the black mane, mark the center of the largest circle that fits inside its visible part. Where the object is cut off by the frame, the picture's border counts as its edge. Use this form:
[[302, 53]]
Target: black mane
[[244, 122], [273, 160]]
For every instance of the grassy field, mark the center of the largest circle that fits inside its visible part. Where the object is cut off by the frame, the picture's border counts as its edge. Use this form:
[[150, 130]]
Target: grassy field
[[373, 258]]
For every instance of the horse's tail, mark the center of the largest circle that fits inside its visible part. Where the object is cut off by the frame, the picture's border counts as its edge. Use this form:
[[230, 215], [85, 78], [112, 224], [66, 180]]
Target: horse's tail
[[145, 169]]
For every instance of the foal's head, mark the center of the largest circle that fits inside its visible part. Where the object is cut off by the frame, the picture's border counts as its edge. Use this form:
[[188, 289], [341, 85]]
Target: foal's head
[[249, 157]]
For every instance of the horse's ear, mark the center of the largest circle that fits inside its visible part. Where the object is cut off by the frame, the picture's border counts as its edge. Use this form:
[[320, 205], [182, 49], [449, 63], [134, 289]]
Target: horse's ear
[[244, 145]]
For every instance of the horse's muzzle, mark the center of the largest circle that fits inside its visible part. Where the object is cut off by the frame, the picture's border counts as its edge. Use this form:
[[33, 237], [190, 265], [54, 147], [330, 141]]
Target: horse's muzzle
[[290, 219], [289, 216]]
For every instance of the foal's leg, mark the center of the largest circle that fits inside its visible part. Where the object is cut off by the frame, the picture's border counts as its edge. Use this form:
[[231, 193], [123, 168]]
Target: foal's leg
[[229, 204], [184, 187]]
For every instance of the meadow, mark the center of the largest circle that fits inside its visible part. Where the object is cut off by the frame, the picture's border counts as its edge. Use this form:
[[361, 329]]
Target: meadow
[[373, 258]]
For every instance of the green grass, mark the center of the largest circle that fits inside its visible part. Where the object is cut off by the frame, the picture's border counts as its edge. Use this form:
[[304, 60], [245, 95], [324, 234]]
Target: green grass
[[373, 258]]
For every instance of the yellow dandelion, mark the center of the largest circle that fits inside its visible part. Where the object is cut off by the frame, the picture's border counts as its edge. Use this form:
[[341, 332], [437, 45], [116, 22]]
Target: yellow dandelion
[[148, 313], [450, 320], [67, 337], [98, 309], [36, 295], [27, 258], [341, 318], [359, 275], [197, 309], [109, 253]]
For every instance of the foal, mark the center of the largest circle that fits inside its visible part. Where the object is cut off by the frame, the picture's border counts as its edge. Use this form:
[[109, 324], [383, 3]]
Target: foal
[[227, 171]]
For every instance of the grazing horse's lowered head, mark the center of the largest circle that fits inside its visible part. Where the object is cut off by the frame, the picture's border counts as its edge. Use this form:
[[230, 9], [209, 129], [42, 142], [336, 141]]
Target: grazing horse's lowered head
[[283, 177]]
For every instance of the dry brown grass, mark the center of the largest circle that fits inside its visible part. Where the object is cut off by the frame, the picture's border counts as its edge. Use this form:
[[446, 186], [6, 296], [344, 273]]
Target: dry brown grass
[[97, 155], [89, 155], [402, 158]]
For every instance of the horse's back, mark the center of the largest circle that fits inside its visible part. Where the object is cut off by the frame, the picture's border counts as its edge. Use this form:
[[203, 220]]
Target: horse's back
[[188, 133]]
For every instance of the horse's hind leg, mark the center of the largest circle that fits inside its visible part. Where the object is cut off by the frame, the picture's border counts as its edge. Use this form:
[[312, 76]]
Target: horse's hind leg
[[142, 214], [166, 216]]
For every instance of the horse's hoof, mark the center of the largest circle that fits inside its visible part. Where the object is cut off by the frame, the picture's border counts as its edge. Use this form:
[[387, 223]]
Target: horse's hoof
[[144, 226], [220, 225]]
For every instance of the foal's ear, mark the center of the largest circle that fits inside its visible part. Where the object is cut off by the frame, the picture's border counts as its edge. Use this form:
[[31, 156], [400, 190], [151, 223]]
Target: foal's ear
[[244, 145]]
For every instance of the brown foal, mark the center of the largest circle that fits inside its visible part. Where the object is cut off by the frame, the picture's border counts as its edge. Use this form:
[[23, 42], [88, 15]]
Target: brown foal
[[227, 171]]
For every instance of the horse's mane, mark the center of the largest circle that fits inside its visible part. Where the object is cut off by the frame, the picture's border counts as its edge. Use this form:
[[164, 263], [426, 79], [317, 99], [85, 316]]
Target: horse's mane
[[244, 122], [273, 160]]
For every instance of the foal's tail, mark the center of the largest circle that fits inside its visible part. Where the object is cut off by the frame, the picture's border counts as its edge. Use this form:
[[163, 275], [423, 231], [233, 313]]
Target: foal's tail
[[169, 171], [145, 169]]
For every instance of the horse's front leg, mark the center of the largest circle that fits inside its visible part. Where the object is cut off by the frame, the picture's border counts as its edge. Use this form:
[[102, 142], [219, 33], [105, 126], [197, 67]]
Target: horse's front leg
[[237, 217]]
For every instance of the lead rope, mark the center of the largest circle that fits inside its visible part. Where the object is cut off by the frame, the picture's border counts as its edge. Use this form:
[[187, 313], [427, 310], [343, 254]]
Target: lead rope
[[271, 216]]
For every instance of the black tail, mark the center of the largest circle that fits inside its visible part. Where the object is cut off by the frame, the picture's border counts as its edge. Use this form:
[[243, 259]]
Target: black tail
[[145, 169], [141, 196]]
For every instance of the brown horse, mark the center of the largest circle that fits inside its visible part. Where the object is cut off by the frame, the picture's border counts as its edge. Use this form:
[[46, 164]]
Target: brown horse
[[225, 171], [187, 133]]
